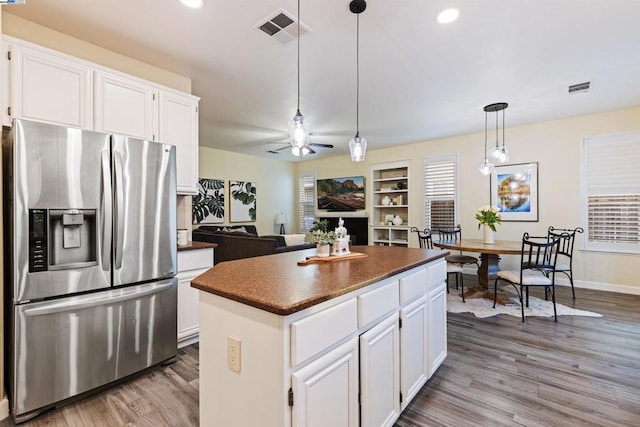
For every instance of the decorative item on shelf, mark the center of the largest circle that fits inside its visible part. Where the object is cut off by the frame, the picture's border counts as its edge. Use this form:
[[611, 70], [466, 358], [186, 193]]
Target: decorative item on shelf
[[357, 144], [323, 239], [341, 245], [281, 220], [486, 168], [298, 125], [398, 200], [385, 201], [401, 186], [489, 217], [397, 220], [388, 218]]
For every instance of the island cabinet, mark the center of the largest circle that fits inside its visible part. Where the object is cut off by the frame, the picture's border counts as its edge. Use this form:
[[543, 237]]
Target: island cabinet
[[353, 359]]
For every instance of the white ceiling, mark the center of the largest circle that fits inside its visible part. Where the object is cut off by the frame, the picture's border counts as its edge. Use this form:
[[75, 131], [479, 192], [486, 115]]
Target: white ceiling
[[419, 80]]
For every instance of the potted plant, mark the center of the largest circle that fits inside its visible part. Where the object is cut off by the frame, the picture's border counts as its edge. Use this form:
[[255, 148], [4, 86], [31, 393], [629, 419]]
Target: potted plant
[[489, 217], [323, 239]]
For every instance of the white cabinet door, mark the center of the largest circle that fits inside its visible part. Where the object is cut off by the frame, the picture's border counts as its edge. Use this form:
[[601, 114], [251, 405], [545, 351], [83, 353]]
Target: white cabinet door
[[188, 316], [325, 392], [48, 88], [414, 357], [191, 263], [125, 106], [179, 127], [437, 300], [380, 373]]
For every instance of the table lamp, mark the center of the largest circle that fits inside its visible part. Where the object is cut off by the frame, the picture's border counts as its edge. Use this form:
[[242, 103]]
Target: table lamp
[[281, 219]]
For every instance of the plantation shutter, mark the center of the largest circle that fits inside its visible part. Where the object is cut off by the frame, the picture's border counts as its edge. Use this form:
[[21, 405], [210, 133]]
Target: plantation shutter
[[440, 192], [306, 202], [611, 192]]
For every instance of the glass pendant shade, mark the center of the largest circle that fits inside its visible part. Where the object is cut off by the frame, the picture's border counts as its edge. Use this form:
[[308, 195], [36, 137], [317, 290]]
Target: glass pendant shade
[[299, 131], [300, 151], [485, 168], [358, 148]]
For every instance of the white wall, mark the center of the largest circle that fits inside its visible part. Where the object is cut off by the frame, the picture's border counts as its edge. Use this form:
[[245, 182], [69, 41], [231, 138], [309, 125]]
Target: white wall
[[275, 184], [554, 145]]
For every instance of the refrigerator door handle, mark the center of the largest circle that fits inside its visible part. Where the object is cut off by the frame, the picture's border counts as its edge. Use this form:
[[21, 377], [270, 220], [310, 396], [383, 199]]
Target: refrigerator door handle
[[107, 204], [119, 211], [94, 300]]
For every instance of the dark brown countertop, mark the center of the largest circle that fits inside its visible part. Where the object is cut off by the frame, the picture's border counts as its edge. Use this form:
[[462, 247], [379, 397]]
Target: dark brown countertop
[[196, 245], [276, 283]]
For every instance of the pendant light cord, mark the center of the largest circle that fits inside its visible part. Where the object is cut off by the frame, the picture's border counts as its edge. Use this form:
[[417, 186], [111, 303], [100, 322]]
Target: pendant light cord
[[358, 75], [298, 56], [503, 126], [485, 135]]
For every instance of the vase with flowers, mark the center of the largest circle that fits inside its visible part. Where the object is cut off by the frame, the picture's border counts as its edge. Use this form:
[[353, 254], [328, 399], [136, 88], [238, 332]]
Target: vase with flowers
[[488, 216], [323, 239]]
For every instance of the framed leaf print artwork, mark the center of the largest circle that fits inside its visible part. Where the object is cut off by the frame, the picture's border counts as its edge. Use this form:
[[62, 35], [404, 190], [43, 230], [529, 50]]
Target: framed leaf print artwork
[[514, 189], [208, 204], [242, 201]]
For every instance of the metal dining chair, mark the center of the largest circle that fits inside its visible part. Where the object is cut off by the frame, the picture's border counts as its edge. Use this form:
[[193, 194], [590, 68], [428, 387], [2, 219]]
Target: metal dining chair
[[426, 242], [567, 238], [451, 235], [538, 260]]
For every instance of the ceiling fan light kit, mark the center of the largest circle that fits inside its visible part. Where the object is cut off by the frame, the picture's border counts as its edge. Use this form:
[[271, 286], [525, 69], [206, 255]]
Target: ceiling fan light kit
[[357, 144]]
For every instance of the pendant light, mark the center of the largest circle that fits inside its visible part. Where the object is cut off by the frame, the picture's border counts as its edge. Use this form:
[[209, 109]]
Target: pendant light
[[298, 125], [357, 144], [485, 167], [499, 153]]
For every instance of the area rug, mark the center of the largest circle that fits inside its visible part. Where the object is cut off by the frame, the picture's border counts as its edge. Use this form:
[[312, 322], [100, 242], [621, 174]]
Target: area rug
[[482, 307]]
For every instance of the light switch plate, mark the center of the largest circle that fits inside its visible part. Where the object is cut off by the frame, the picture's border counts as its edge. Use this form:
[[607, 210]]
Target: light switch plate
[[233, 353]]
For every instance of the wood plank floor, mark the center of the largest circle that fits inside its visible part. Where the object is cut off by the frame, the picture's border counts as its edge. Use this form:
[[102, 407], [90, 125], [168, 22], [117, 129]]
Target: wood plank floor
[[499, 372]]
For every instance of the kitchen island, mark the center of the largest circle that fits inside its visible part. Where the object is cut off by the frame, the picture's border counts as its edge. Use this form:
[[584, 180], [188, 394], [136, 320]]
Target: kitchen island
[[301, 345]]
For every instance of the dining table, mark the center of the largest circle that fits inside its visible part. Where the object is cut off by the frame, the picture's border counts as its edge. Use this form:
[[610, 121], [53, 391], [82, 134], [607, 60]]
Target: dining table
[[489, 262]]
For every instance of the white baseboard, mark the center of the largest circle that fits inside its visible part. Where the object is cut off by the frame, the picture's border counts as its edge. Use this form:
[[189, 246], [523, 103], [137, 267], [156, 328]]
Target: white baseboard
[[4, 408], [598, 286]]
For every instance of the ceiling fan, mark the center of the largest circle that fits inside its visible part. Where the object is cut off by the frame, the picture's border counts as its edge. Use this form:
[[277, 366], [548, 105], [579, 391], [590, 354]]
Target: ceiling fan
[[288, 146]]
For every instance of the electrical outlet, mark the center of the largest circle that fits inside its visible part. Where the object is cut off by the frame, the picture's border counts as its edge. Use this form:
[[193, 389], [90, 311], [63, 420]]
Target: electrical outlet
[[233, 353]]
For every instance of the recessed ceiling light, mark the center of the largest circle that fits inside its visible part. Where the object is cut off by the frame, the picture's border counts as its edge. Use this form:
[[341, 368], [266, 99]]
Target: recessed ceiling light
[[195, 4], [447, 16]]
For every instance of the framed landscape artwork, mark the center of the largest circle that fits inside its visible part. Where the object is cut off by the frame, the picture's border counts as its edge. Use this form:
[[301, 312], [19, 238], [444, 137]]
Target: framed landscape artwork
[[341, 194], [514, 189], [208, 204], [242, 201]]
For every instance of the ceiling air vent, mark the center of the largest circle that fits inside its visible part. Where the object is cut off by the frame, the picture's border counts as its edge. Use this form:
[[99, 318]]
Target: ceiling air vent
[[580, 87], [282, 26]]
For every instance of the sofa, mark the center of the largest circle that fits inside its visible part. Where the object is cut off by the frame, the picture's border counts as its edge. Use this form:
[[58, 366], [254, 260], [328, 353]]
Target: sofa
[[242, 241]]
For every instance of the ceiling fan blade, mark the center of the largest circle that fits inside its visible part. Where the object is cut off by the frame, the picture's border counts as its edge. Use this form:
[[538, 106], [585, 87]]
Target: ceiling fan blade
[[272, 152], [318, 144], [312, 151]]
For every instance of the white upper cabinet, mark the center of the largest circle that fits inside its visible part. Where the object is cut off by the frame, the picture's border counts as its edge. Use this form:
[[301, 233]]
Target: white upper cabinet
[[47, 87], [124, 106], [178, 125]]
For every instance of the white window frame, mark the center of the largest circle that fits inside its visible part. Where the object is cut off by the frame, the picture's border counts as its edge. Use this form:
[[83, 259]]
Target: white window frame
[[623, 153], [456, 199], [312, 202]]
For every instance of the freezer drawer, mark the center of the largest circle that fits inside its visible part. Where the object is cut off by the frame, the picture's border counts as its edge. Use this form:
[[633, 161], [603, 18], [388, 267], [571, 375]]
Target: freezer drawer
[[69, 346]]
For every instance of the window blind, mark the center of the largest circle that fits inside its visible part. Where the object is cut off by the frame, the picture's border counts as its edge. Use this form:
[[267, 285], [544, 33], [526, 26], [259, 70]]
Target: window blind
[[611, 192], [306, 202], [439, 192]]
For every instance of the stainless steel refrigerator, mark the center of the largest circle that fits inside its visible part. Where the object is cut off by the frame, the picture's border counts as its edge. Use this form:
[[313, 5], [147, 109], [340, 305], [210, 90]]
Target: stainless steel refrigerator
[[90, 260]]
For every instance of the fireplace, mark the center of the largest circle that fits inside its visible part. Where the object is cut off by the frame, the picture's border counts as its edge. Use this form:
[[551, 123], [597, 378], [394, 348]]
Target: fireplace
[[357, 227]]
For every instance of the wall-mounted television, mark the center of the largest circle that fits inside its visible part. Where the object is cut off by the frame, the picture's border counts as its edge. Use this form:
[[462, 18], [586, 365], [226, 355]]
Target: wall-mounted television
[[341, 194]]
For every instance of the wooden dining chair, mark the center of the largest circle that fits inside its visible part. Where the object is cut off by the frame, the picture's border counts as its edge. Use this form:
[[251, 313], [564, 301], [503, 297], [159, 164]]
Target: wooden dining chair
[[567, 238], [426, 242], [538, 260]]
